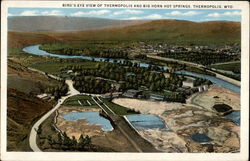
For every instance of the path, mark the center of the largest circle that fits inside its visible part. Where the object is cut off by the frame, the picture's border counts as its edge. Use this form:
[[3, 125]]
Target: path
[[33, 134]]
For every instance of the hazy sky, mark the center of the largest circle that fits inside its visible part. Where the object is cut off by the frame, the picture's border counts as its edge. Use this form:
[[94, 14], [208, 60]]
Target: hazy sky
[[133, 14]]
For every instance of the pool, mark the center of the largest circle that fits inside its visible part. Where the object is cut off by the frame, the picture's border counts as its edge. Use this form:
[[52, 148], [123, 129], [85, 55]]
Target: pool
[[234, 116], [146, 121], [200, 138], [91, 117]]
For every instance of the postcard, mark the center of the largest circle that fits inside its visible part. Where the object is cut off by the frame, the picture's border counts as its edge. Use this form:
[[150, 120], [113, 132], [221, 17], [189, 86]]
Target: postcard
[[125, 80]]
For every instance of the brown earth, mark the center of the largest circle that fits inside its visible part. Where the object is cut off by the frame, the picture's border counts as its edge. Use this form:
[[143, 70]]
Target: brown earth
[[113, 140], [216, 95], [22, 112], [23, 107], [185, 120], [25, 80]]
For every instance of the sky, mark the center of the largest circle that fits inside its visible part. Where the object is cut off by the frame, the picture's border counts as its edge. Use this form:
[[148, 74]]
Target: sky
[[197, 15]]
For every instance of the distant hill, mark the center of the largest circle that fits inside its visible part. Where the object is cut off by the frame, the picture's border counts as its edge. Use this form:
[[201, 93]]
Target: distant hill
[[169, 31], [176, 31], [59, 23]]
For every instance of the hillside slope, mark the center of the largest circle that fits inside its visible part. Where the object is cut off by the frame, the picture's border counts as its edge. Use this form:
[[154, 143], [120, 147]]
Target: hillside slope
[[169, 31], [23, 107], [60, 23]]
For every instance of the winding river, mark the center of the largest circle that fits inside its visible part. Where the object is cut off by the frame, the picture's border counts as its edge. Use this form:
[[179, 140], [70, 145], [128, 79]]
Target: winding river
[[34, 49]]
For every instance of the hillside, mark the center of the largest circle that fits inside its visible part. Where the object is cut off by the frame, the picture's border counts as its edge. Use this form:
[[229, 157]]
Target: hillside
[[175, 31], [24, 108], [170, 31], [59, 23]]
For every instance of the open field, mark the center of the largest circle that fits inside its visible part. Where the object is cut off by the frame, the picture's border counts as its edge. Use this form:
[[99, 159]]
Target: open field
[[234, 66], [53, 67], [81, 101]]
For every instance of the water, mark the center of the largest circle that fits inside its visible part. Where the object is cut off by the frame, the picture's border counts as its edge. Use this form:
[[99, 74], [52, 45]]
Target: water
[[214, 80], [91, 117], [200, 138], [34, 49], [234, 116], [146, 121]]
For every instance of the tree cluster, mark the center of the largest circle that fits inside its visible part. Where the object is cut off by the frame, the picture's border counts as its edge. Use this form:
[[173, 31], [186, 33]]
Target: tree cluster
[[64, 142], [85, 51], [200, 58], [91, 85], [58, 90]]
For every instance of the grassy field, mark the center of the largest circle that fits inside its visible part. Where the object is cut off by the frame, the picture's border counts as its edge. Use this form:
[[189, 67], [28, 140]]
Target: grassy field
[[85, 101], [227, 66], [53, 67], [117, 109]]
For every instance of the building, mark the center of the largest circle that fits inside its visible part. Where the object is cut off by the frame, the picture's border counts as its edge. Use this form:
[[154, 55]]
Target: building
[[188, 83], [156, 97], [111, 95], [131, 93]]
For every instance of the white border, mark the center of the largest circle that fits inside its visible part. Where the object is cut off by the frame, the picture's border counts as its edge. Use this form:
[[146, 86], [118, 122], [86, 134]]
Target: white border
[[243, 155]]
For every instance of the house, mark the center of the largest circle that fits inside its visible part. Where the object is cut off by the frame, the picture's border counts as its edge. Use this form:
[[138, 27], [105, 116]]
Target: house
[[44, 96], [200, 89], [131, 93], [156, 97], [205, 87], [188, 83], [111, 95], [69, 71], [116, 86]]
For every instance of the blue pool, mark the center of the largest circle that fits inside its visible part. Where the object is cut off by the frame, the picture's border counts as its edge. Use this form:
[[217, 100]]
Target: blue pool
[[234, 116], [146, 121], [91, 117]]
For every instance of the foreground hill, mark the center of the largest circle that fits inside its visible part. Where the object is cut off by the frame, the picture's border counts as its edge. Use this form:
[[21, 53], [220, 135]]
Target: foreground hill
[[24, 108], [170, 31], [59, 23]]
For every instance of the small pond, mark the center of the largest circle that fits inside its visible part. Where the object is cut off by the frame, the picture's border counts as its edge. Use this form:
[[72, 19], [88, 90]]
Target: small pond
[[234, 116], [91, 117], [200, 138], [146, 121]]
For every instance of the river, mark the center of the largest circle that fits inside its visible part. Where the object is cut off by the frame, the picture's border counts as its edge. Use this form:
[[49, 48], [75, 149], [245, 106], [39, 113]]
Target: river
[[34, 49]]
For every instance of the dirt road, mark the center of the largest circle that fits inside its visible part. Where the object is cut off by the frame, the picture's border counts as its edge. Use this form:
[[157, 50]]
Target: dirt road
[[33, 134]]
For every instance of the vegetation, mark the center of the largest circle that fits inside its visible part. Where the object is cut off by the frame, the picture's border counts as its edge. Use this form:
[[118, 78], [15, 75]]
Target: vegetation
[[95, 49], [51, 140], [58, 90], [85, 101], [117, 109], [131, 77], [199, 71], [234, 67], [200, 58], [63, 142]]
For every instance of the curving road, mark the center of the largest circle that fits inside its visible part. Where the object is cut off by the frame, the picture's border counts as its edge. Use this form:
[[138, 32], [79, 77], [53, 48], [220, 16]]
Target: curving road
[[33, 134]]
